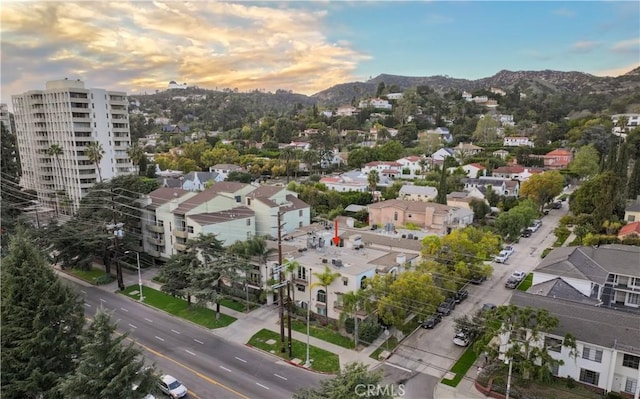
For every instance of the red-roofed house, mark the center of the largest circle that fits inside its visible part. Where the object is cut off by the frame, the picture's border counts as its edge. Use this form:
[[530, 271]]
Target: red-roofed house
[[630, 230], [474, 170], [516, 172], [381, 166], [411, 167], [558, 159]]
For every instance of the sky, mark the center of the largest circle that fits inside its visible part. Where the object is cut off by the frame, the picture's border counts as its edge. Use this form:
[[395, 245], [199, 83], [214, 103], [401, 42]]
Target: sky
[[305, 46]]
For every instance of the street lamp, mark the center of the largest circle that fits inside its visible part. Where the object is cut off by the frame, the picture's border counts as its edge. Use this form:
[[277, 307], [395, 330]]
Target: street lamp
[[139, 275], [307, 364]]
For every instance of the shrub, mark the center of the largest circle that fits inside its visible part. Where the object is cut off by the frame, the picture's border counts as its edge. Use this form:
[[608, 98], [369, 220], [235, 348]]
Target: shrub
[[571, 383], [368, 332], [104, 279], [349, 325], [613, 395]]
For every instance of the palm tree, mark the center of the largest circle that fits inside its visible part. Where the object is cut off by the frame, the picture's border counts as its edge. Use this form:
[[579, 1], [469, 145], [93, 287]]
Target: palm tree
[[94, 152], [135, 154], [311, 158], [373, 178], [290, 267], [622, 123], [325, 279], [287, 154], [55, 151], [352, 303]]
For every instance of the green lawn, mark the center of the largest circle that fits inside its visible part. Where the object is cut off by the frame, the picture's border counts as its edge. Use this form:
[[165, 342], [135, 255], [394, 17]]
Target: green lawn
[[321, 360], [526, 283], [390, 344], [461, 367], [178, 307], [233, 304], [87, 275], [323, 333], [545, 252]]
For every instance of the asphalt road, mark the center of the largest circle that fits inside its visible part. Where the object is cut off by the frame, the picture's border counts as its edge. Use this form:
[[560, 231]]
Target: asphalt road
[[432, 352], [210, 367]]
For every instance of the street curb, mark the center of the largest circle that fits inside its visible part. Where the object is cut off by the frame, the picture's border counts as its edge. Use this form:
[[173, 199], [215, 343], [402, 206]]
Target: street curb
[[72, 277], [287, 361]]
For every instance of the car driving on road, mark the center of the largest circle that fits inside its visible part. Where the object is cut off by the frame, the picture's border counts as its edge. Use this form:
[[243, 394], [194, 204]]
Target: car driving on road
[[170, 386]]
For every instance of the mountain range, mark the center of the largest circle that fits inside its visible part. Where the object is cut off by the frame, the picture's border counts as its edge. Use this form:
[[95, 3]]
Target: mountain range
[[526, 81]]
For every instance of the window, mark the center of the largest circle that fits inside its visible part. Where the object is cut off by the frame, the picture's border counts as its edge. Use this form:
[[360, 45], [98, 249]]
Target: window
[[612, 278], [321, 311], [300, 213], [634, 282], [630, 385], [555, 369], [632, 218], [553, 344], [633, 299], [395, 216], [190, 229], [248, 222], [631, 361], [592, 354], [345, 281], [302, 273], [363, 282], [300, 224], [589, 377], [321, 296]]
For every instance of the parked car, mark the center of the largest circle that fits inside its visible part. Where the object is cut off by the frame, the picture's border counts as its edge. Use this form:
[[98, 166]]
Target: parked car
[[501, 257], [432, 321], [460, 296], [557, 204], [477, 279], [445, 309], [509, 249], [512, 283], [461, 339], [487, 307], [170, 386], [526, 233], [518, 275]]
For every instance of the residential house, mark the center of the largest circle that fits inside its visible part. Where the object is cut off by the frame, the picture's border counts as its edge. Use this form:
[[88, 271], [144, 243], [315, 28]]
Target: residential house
[[373, 132], [480, 99], [309, 133], [517, 141], [395, 168], [332, 158], [377, 103], [174, 85], [607, 354], [268, 201], [558, 159], [632, 211], [633, 121], [175, 128], [345, 183], [516, 172], [467, 96], [299, 145], [502, 154], [394, 96], [467, 149], [506, 120], [439, 156], [473, 170], [498, 91], [631, 230], [197, 181], [501, 186], [442, 132], [409, 192], [463, 199], [161, 120], [429, 215], [223, 170], [346, 110], [411, 166]]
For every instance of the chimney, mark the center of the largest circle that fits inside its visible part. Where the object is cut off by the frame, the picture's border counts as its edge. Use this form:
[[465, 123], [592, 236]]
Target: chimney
[[401, 259]]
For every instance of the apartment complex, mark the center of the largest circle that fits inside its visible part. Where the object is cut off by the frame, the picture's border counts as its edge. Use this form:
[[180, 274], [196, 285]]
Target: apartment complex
[[70, 116], [4, 117]]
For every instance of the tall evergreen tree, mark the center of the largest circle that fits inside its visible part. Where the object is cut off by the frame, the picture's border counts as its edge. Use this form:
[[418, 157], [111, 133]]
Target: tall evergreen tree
[[634, 180], [41, 322], [442, 187], [107, 368]]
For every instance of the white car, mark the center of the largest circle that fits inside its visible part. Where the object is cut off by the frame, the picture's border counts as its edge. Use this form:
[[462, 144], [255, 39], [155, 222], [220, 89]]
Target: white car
[[518, 275], [502, 257], [169, 385], [461, 339], [509, 249]]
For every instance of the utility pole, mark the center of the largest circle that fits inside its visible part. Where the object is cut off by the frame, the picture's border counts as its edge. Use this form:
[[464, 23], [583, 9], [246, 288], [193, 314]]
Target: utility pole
[[116, 238], [280, 278]]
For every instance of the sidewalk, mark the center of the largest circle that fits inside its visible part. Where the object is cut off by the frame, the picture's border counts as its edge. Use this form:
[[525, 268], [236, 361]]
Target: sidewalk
[[248, 324], [466, 388]]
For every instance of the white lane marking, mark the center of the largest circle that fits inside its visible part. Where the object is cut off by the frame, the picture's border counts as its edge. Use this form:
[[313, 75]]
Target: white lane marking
[[124, 310], [102, 300], [161, 339], [87, 305], [242, 360], [398, 367], [259, 384], [225, 369], [149, 320], [189, 352], [132, 326], [279, 376], [200, 342], [84, 292], [177, 332]]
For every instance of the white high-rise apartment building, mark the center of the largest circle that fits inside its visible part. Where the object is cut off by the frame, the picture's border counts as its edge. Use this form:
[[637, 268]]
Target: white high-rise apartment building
[[4, 116], [70, 116]]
